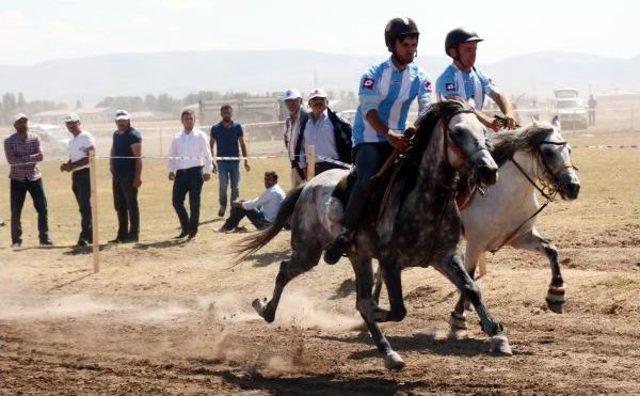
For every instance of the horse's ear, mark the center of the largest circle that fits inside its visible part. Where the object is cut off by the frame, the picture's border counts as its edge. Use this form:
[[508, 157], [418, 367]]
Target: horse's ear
[[556, 121]]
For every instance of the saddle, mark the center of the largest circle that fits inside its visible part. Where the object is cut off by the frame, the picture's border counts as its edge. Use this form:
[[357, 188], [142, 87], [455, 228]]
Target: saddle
[[383, 183], [385, 180]]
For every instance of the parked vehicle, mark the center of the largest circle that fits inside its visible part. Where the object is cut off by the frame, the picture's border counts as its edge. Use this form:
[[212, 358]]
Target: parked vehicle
[[569, 107]]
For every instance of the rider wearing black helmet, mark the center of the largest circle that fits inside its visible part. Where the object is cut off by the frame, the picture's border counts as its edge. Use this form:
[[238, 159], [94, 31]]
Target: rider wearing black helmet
[[461, 79], [386, 92]]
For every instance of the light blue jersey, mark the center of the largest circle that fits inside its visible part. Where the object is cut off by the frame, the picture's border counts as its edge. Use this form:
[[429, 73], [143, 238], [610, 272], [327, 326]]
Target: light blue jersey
[[455, 83], [389, 91]]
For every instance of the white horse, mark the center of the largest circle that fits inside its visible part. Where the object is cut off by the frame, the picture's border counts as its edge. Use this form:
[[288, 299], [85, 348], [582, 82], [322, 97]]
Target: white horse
[[530, 158]]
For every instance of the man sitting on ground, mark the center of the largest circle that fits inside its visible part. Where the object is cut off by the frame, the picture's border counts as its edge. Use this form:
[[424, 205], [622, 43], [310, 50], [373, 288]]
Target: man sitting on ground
[[261, 211]]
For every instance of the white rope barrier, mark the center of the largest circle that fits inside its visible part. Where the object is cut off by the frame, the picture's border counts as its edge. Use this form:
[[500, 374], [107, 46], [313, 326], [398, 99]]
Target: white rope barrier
[[286, 155]]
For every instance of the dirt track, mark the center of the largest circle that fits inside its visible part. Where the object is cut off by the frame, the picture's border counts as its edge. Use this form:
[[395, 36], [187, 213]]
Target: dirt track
[[190, 335], [168, 318]]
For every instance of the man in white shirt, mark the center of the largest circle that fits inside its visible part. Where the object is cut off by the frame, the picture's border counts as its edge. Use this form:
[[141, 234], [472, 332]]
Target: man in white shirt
[[190, 165], [297, 117], [261, 211], [79, 146]]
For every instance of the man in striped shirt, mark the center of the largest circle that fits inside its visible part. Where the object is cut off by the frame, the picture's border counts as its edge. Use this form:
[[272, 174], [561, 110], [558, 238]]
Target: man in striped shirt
[[386, 92], [23, 152]]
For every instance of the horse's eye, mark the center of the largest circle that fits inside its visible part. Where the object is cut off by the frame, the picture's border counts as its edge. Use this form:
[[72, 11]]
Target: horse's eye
[[547, 152]]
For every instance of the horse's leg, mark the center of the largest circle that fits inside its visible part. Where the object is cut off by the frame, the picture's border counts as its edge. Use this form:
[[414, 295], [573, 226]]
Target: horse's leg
[[458, 319], [377, 288], [301, 261], [452, 267], [391, 274], [369, 309], [532, 241]]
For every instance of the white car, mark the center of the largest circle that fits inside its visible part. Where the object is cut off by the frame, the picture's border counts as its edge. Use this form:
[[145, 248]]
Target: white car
[[572, 112]]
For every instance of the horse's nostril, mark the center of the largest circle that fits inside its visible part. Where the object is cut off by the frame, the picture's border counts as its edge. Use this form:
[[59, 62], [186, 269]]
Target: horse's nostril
[[574, 189]]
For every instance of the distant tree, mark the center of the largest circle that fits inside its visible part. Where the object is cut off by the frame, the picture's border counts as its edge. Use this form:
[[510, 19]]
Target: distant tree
[[9, 103], [150, 102], [167, 104], [22, 104], [78, 104]]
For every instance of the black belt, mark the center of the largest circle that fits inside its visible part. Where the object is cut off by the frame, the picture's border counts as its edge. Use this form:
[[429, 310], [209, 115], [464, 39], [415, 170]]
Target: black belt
[[190, 169]]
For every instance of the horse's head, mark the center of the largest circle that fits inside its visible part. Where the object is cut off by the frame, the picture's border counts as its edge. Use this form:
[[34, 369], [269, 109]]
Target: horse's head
[[554, 157], [468, 147]]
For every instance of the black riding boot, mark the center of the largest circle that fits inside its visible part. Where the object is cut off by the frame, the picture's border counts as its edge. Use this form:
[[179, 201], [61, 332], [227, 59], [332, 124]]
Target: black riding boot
[[354, 212]]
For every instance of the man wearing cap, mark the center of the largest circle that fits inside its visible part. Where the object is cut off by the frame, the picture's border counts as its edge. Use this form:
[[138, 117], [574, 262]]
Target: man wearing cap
[[462, 80], [386, 93], [229, 138], [79, 146], [23, 152], [330, 135], [126, 172], [297, 117], [188, 155]]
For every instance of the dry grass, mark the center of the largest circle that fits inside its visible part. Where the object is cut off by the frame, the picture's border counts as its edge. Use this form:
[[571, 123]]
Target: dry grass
[[163, 317]]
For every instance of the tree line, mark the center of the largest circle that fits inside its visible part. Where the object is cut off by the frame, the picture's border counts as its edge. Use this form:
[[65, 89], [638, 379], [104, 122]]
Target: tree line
[[13, 103]]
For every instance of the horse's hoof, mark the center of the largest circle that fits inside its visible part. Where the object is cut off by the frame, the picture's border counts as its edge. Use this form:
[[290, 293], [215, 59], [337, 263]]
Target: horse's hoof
[[262, 308], [393, 361], [500, 345], [555, 298], [457, 322]]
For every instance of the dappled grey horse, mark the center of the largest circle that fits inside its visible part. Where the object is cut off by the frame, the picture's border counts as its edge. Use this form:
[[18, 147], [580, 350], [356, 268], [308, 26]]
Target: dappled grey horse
[[533, 158], [420, 225]]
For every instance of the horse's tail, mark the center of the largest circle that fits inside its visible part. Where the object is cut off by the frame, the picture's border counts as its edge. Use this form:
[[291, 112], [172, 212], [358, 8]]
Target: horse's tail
[[253, 243]]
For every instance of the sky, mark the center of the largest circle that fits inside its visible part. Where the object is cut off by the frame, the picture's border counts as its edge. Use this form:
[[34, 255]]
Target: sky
[[33, 31]]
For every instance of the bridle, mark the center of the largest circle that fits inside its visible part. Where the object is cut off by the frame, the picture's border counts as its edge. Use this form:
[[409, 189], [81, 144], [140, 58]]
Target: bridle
[[451, 190], [548, 191], [449, 144]]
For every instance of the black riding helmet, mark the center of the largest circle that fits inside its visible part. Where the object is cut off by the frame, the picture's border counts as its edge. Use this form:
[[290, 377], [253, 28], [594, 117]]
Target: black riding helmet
[[399, 28], [459, 36]]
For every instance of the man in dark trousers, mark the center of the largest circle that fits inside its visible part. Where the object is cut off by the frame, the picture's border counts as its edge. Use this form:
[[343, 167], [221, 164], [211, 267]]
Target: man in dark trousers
[[229, 138], [292, 125], [23, 152], [78, 164], [188, 155], [127, 142]]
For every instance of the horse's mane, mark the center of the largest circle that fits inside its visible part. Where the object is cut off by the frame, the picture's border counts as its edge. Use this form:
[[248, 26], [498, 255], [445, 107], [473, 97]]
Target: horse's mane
[[426, 123], [425, 126], [528, 138]]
